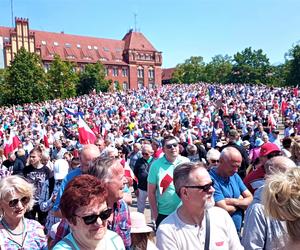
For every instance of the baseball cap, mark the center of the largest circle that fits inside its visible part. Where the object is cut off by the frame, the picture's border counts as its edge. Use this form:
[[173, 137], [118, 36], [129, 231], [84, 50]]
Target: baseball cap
[[268, 148], [60, 169]]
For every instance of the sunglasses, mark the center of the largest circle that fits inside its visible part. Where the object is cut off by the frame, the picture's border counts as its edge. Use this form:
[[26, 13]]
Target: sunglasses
[[173, 145], [144, 153], [214, 161], [205, 188], [25, 200], [91, 219]]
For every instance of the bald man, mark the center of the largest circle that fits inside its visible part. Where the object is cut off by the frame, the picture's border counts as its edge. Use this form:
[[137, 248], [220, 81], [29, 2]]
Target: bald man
[[231, 193], [87, 154]]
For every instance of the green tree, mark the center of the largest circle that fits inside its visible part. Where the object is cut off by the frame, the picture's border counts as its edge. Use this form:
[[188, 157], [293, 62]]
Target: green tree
[[191, 71], [250, 66], [24, 80], [219, 69], [92, 77], [62, 79], [293, 66]]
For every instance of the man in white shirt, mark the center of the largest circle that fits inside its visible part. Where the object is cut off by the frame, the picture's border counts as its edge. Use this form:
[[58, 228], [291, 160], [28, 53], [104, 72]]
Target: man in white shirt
[[187, 227]]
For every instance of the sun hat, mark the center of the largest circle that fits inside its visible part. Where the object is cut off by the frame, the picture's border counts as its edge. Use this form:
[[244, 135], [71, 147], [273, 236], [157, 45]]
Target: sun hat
[[138, 223], [60, 169], [268, 148]]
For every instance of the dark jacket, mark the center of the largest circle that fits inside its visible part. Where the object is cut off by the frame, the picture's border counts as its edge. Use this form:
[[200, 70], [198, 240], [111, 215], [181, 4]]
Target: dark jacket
[[141, 170]]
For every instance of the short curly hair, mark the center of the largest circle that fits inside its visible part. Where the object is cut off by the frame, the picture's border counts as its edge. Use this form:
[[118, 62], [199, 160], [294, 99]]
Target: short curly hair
[[80, 192]]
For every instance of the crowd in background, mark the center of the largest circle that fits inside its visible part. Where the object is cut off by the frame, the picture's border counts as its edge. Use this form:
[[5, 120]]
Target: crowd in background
[[226, 137]]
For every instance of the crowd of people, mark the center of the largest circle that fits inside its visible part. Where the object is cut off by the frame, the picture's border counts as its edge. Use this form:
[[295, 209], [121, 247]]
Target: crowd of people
[[218, 165]]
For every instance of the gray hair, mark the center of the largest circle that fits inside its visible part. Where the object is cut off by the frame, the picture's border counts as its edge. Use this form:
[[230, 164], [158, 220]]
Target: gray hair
[[181, 175], [278, 164], [102, 167]]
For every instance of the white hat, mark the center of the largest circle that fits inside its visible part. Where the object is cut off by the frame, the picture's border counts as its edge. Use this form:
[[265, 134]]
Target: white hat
[[138, 223], [60, 169]]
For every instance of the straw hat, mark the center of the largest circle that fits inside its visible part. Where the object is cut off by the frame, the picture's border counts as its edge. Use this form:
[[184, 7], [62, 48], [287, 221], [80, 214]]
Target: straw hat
[[138, 223]]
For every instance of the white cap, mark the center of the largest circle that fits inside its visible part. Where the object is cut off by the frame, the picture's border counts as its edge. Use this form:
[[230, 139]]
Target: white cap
[[60, 169]]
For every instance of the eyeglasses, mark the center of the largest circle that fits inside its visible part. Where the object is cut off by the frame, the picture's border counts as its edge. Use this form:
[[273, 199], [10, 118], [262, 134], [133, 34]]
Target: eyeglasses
[[214, 161], [13, 203], [91, 219], [205, 188], [173, 145]]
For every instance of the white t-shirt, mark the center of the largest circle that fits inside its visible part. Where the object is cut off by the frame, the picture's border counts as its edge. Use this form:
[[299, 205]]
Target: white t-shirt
[[173, 233]]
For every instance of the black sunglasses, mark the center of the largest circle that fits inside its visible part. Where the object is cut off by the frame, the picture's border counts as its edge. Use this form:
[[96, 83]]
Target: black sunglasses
[[214, 161], [24, 200], [171, 145], [205, 188], [91, 219]]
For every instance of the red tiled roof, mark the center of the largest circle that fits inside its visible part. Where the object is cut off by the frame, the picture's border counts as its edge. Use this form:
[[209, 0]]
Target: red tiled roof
[[137, 41], [167, 73], [84, 48]]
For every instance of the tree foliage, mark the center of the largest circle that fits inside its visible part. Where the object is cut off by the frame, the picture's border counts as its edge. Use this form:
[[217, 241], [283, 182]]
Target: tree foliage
[[24, 80], [293, 66], [92, 77], [62, 79], [219, 69], [250, 66], [191, 71]]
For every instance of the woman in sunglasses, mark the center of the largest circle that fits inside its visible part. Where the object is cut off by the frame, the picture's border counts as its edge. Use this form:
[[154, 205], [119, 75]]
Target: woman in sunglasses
[[83, 205], [17, 232]]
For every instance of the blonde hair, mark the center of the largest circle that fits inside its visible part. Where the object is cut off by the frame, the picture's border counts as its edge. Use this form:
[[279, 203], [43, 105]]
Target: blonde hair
[[281, 199], [13, 184]]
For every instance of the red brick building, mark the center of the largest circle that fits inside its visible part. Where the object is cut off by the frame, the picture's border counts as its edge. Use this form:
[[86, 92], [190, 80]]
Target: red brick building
[[132, 62]]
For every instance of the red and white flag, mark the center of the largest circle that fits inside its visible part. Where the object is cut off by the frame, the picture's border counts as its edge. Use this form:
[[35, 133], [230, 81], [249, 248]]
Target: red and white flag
[[45, 138], [86, 135], [11, 144]]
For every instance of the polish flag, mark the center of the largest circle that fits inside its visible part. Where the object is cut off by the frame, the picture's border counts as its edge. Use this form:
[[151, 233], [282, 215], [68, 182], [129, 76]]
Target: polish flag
[[45, 138], [128, 173], [11, 144], [86, 135]]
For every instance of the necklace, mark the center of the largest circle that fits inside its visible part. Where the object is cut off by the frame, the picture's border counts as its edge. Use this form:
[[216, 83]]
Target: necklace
[[3, 222]]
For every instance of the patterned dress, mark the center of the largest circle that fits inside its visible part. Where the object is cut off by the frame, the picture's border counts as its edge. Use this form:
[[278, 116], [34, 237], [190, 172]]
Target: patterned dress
[[33, 237]]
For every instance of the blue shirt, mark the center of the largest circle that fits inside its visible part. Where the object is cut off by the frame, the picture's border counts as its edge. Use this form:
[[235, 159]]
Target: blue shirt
[[231, 187], [70, 176]]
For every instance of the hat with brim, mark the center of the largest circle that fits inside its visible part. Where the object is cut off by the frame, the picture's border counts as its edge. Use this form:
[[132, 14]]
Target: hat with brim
[[138, 223]]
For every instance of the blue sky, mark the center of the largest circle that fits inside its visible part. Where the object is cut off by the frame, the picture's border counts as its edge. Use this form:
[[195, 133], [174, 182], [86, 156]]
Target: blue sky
[[178, 28]]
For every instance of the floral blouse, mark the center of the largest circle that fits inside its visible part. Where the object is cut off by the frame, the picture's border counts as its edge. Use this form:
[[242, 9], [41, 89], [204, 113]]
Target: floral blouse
[[33, 237]]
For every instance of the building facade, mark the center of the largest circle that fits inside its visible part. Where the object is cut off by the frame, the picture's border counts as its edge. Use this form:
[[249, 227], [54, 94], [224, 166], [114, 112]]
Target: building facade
[[132, 62]]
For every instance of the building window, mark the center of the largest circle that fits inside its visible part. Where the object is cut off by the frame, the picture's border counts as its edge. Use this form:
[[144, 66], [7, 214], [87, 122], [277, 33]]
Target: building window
[[78, 46], [115, 72], [55, 43], [95, 47], [68, 45], [116, 85], [44, 43], [125, 85], [140, 84], [46, 67], [106, 71], [124, 72], [89, 47], [140, 72], [151, 73]]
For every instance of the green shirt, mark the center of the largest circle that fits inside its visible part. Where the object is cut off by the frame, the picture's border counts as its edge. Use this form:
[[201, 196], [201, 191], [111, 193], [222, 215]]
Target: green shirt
[[167, 200]]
